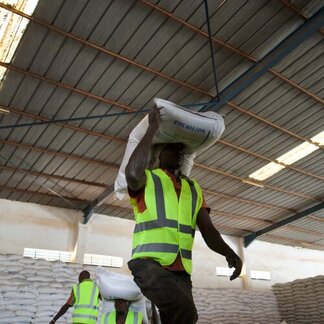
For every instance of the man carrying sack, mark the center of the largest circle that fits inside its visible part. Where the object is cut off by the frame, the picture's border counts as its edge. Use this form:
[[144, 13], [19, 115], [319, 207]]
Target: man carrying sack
[[167, 208]]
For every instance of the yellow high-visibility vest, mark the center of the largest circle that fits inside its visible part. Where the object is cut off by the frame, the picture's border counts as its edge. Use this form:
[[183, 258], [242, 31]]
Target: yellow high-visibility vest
[[86, 305], [132, 318], [167, 226]]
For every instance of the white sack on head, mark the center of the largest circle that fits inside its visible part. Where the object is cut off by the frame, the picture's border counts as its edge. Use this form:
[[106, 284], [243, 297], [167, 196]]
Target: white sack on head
[[114, 285], [197, 131], [139, 305]]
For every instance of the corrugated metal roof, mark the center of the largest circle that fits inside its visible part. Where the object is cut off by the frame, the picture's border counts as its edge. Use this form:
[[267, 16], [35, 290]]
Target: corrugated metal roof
[[88, 58]]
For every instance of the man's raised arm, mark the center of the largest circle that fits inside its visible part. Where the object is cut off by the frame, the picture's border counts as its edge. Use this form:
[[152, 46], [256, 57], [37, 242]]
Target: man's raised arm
[[135, 169]]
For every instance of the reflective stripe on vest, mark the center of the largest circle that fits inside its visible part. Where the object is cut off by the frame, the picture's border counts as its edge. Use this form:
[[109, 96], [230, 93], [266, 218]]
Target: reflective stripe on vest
[[85, 316], [86, 305], [162, 221], [173, 219], [132, 318], [162, 247]]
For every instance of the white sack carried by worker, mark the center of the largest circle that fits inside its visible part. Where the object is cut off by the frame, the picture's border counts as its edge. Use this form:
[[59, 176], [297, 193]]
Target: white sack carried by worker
[[197, 131], [139, 305], [114, 285]]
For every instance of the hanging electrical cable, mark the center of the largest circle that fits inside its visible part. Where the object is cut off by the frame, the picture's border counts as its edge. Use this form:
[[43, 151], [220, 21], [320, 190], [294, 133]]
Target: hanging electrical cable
[[211, 49], [203, 106], [71, 119]]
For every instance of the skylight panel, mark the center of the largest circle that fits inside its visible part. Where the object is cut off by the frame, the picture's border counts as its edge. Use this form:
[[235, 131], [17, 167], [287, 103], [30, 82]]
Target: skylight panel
[[12, 28], [288, 158], [266, 171]]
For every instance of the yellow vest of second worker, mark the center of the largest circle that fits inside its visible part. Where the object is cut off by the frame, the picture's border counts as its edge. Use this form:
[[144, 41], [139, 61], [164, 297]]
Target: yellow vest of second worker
[[167, 226], [86, 305], [132, 318]]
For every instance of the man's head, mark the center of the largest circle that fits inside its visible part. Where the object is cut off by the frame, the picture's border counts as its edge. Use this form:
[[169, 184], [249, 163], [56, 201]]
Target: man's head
[[121, 306], [84, 275], [171, 156]]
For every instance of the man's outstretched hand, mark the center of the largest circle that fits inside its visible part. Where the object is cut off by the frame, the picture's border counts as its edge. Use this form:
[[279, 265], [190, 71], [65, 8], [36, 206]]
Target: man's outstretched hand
[[234, 260]]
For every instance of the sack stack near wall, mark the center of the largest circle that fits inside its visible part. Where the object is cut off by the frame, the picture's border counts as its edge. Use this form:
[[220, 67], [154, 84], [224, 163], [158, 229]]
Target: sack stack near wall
[[302, 300], [235, 306], [33, 291]]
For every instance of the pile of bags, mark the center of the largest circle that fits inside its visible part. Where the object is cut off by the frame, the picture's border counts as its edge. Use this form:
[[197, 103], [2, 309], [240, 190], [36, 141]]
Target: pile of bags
[[302, 300], [228, 306], [32, 291]]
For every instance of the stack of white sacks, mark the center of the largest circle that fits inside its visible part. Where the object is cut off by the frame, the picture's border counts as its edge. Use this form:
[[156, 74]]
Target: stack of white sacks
[[231, 306], [33, 291], [302, 300]]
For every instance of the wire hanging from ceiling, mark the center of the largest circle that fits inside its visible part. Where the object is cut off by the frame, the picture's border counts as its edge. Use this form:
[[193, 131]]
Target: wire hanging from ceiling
[[210, 39], [45, 122], [205, 105]]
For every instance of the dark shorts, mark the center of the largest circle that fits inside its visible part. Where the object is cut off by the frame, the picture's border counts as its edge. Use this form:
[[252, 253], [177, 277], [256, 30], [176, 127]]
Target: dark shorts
[[170, 291]]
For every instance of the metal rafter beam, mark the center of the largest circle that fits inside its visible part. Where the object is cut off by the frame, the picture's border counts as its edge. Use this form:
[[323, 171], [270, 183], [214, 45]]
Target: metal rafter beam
[[313, 175], [229, 47], [295, 39], [297, 86], [226, 174], [79, 201], [284, 130], [97, 97], [248, 239], [195, 29], [141, 66], [68, 156], [317, 218], [52, 177], [292, 242], [67, 87], [75, 128], [105, 136], [265, 222], [104, 50], [41, 194], [274, 188], [96, 162], [291, 7], [128, 108]]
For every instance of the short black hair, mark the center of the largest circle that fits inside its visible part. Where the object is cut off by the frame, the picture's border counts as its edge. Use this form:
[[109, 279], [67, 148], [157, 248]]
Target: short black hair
[[84, 275]]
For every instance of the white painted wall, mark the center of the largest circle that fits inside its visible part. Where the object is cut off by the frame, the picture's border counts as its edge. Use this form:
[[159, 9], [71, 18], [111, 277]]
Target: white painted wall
[[34, 226], [31, 225]]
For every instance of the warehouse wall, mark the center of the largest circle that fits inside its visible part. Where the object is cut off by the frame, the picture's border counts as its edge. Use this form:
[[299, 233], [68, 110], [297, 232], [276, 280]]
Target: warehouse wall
[[31, 225], [34, 226]]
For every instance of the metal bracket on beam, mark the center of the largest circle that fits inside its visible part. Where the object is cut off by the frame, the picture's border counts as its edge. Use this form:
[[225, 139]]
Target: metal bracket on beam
[[88, 212], [89, 209], [248, 239]]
